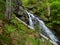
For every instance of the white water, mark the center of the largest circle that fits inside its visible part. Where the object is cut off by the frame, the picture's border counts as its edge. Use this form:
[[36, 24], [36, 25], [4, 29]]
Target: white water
[[30, 20], [42, 26]]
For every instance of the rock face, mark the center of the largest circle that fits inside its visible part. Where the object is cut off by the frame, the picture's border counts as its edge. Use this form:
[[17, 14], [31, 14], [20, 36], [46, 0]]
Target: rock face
[[20, 13]]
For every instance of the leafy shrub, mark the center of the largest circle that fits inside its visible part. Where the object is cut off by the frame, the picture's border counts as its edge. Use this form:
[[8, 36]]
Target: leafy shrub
[[55, 12]]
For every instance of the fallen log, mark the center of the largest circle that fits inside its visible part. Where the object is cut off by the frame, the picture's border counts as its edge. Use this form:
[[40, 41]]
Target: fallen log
[[54, 43]]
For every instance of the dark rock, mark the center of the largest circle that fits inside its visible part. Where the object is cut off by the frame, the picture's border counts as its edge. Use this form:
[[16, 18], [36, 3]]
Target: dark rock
[[56, 27], [20, 13]]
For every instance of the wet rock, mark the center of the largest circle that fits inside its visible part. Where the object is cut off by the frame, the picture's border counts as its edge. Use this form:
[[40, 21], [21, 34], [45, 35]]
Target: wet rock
[[20, 13]]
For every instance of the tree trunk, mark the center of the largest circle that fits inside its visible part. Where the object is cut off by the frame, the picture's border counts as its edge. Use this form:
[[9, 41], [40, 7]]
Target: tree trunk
[[48, 8], [8, 10]]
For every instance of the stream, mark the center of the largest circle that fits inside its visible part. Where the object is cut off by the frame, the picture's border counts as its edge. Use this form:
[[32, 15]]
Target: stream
[[44, 29]]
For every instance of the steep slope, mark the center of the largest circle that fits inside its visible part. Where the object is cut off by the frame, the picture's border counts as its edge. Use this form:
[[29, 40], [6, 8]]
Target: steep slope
[[16, 33]]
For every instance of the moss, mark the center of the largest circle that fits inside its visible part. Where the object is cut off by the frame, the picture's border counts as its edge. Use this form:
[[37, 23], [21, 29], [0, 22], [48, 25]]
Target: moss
[[9, 28]]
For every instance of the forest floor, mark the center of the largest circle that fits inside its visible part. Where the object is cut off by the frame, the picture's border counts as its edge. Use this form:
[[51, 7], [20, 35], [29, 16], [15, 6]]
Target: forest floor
[[16, 33]]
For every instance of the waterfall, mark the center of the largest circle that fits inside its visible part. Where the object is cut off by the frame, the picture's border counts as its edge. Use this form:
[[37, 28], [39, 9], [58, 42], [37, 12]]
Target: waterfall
[[43, 27], [48, 31], [31, 20]]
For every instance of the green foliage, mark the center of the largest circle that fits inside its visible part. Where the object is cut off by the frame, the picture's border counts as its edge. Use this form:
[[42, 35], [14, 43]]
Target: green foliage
[[9, 28], [30, 2], [2, 9], [21, 33], [4, 39], [17, 31], [26, 34], [55, 12], [39, 8]]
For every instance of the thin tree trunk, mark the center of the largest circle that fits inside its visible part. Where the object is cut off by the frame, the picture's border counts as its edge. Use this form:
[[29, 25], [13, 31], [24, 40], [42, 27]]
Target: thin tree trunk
[[48, 8], [8, 9]]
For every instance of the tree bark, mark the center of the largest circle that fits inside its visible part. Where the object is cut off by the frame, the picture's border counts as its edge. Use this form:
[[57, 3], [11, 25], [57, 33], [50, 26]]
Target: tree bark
[[8, 10], [48, 8]]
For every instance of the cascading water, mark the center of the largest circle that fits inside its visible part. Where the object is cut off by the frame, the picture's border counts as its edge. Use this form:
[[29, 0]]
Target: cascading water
[[49, 33], [30, 20], [42, 26]]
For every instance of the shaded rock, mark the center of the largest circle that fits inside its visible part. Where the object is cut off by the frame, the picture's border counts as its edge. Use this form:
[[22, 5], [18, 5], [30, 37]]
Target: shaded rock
[[56, 27], [20, 13]]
